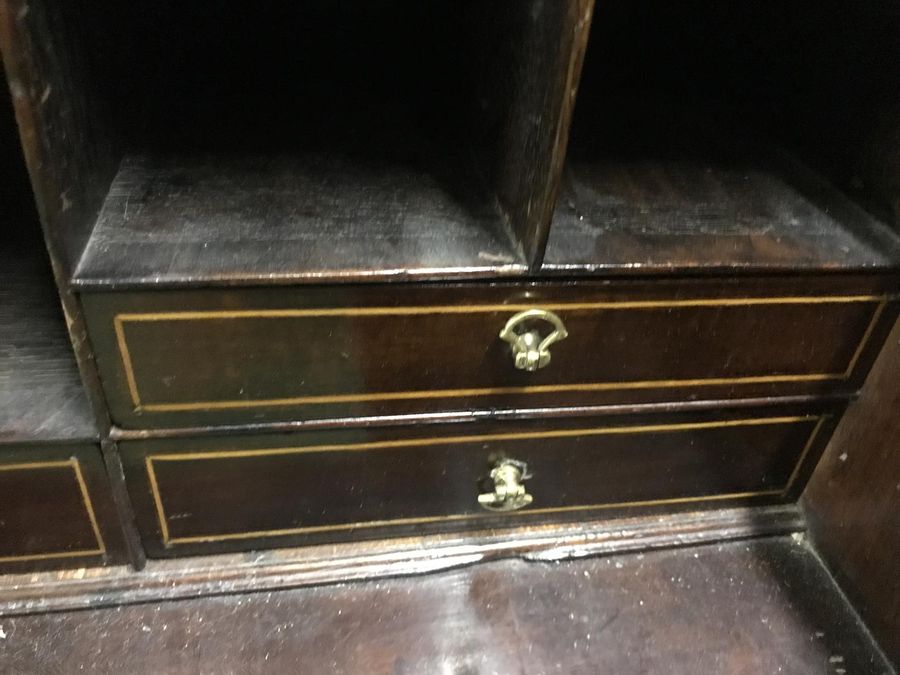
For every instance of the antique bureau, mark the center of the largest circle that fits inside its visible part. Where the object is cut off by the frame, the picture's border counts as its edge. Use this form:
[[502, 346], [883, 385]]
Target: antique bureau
[[353, 271]]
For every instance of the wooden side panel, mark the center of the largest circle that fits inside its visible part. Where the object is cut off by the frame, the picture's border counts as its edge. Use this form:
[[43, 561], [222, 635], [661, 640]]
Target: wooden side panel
[[71, 157], [853, 500], [69, 154], [209, 494]]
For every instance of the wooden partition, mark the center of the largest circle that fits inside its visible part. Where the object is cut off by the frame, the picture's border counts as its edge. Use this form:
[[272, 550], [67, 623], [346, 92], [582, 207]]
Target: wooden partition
[[853, 500]]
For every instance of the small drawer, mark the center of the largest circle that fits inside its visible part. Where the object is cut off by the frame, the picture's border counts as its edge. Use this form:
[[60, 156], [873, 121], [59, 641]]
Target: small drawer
[[179, 359], [202, 494], [55, 509]]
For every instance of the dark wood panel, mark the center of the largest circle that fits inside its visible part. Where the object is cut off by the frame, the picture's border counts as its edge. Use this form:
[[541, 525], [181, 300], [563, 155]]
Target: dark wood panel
[[70, 155], [57, 139], [251, 356], [55, 509], [852, 500], [535, 71], [750, 607], [203, 494], [45, 512]]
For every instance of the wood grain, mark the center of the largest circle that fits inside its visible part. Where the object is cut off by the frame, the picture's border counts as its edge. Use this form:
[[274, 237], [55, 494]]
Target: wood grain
[[648, 194], [41, 395], [388, 136], [666, 173], [202, 495], [257, 355], [69, 159], [853, 500], [70, 155], [534, 66], [738, 608], [56, 509], [49, 391], [315, 217]]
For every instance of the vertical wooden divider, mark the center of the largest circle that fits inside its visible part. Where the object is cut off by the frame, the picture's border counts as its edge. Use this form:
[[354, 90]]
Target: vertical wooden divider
[[852, 499], [71, 163], [540, 81], [549, 97]]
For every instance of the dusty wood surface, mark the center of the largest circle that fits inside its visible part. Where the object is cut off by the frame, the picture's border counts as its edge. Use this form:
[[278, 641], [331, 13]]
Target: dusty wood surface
[[657, 178], [316, 217], [41, 397], [763, 606], [641, 195], [359, 561]]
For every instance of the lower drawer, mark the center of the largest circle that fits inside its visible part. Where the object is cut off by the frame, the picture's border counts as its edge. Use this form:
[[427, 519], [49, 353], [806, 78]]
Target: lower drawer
[[239, 492], [55, 508]]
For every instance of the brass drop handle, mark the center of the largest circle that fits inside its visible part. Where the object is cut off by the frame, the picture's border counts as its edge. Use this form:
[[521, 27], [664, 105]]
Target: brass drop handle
[[509, 492], [530, 351]]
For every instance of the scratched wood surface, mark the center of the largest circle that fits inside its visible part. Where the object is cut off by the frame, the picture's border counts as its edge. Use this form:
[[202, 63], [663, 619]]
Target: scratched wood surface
[[697, 190], [355, 158], [764, 606], [320, 217], [41, 397]]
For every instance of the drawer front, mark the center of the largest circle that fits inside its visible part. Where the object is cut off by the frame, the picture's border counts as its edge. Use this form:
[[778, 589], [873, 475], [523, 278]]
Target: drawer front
[[253, 355], [55, 509], [211, 494]]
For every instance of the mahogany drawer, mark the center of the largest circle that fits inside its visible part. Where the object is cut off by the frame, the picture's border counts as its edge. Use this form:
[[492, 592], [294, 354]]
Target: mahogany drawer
[[205, 494], [55, 508], [243, 356]]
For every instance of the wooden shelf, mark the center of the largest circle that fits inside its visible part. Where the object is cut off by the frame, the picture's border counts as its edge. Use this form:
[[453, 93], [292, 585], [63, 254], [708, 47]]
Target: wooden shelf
[[366, 142], [41, 395], [688, 121], [660, 184], [652, 215], [318, 217]]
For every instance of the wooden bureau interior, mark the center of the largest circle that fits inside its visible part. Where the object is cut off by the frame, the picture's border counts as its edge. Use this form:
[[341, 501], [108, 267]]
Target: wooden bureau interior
[[358, 270], [55, 503]]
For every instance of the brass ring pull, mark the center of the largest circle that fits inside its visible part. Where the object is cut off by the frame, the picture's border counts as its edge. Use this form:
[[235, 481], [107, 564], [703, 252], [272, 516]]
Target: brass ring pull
[[509, 492], [530, 352]]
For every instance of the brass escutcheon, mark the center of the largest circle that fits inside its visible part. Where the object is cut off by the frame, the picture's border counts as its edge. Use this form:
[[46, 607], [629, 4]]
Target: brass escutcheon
[[509, 492], [530, 352]]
